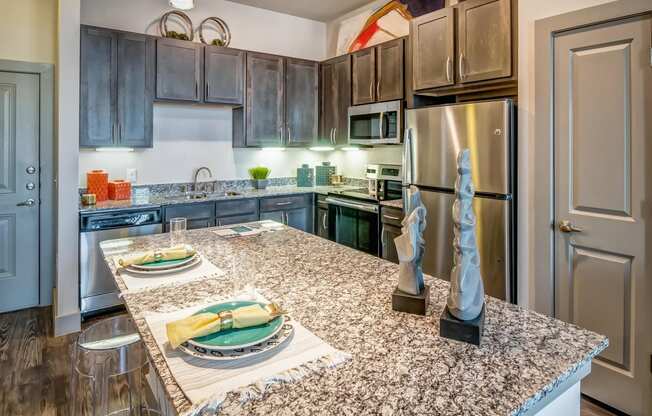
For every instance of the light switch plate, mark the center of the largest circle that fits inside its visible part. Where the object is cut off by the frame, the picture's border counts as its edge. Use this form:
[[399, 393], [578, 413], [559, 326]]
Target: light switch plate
[[132, 175]]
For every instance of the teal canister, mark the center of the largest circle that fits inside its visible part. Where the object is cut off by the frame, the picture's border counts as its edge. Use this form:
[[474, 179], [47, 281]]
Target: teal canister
[[305, 176], [323, 174]]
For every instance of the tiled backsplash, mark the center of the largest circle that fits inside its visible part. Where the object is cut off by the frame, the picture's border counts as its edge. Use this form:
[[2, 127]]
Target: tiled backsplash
[[226, 185]]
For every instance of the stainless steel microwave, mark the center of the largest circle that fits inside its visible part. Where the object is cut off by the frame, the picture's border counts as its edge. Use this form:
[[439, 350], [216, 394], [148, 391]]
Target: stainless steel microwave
[[379, 123]]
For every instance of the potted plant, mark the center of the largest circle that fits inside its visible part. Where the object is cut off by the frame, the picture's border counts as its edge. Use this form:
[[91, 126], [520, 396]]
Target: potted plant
[[259, 176]]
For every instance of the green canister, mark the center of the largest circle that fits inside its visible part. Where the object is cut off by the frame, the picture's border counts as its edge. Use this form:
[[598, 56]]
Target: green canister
[[305, 176]]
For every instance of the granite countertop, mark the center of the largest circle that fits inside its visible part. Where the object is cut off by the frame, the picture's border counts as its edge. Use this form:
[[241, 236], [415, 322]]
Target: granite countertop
[[394, 203], [159, 200], [400, 365]]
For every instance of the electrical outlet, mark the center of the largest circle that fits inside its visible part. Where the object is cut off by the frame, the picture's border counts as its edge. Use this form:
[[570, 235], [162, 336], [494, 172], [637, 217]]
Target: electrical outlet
[[132, 175]]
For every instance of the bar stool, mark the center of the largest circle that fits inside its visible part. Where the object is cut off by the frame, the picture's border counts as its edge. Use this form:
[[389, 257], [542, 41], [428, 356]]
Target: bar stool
[[109, 367]]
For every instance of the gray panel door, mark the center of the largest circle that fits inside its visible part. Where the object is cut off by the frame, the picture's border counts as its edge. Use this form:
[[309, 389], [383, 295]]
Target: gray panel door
[[178, 70], [364, 76], [602, 136], [265, 115], [433, 48], [492, 233], [484, 40], [98, 67], [224, 73], [135, 89], [302, 101], [19, 191], [389, 70]]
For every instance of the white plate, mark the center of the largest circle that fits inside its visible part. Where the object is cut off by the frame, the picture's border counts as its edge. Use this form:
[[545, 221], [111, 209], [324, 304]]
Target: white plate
[[163, 266], [281, 338], [186, 266]]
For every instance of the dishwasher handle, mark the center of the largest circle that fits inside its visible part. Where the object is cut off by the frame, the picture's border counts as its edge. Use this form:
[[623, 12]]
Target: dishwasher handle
[[111, 220]]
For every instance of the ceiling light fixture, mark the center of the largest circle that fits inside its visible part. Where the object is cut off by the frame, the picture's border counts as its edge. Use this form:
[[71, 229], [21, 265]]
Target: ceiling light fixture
[[321, 148], [183, 4]]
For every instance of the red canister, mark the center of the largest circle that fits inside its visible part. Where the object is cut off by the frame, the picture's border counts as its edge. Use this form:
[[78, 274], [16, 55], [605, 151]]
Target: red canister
[[97, 182]]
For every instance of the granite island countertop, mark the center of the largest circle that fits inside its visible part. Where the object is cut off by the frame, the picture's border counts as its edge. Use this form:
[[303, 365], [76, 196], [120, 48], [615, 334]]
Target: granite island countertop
[[400, 364], [159, 200]]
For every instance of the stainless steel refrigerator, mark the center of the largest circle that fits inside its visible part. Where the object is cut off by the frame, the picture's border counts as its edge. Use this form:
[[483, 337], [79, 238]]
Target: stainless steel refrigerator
[[433, 137]]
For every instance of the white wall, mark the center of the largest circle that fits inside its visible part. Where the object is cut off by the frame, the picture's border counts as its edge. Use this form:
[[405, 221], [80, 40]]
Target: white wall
[[528, 12], [189, 136]]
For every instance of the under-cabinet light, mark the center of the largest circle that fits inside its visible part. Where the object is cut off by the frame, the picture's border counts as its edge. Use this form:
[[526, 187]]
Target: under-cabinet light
[[114, 149], [351, 149], [321, 148], [273, 149]]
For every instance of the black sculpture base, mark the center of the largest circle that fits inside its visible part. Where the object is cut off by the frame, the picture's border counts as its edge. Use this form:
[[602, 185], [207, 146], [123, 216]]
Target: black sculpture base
[[465, 331], [416, 304]]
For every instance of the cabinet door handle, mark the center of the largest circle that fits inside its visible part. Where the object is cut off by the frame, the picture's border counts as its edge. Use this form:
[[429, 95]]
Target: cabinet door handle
[[289, 135], [334, 133], [448, 68], [196, 89], [280, 204], [461, 66], [371, 90], [323, 221], [378, 89], [119, 131], [208, 88], [382, 236]]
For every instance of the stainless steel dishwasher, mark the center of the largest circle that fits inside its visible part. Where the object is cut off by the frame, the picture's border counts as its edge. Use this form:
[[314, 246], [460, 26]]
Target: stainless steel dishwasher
[[97, 288]]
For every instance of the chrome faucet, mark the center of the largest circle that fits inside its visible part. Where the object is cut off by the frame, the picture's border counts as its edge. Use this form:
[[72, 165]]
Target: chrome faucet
[[196, 185]]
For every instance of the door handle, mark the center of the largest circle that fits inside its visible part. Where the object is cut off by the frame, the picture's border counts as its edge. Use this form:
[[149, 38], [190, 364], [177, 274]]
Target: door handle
[[371, 90], [391, 217], [323, 221], [448, 68], [565, 226], [380, 125], [27, 203], [280, 204], [289, 134], [382, 236], [378, 89]]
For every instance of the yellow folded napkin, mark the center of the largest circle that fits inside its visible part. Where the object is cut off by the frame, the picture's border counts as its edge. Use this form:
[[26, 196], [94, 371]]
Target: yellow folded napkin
[[172, 253], [207, 323]]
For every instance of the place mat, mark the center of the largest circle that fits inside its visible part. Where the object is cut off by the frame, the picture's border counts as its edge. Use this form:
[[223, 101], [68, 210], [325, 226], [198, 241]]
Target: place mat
[[136, 282], [206, 383]]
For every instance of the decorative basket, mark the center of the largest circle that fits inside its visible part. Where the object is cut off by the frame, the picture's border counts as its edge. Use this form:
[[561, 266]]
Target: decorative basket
[[163, 26], [119, 190], [97, 182], [222, 28]]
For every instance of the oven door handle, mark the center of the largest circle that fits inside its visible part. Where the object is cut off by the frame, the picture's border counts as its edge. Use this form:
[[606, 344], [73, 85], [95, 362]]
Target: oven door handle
[[353, 205]]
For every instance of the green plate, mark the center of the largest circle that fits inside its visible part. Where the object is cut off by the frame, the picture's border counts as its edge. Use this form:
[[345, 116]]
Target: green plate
[[237, 338]]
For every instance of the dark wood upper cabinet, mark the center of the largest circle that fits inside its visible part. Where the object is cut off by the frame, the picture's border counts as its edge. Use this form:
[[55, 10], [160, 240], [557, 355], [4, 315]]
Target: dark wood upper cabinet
[[98, 95], [433, 49], [389, 70], [465, 48], [117, 86], [224, 73], [135, 89], [484, 40], [364, 76], [335, 100], [265, 100], [178, 70], [302, 101]]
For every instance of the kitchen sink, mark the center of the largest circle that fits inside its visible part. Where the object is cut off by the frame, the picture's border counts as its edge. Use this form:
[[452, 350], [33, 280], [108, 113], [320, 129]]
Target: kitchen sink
[[202, 195]]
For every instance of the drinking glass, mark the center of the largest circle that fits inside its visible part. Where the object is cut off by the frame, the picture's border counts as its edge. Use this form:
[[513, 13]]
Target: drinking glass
[[243, 278], [177, 227]]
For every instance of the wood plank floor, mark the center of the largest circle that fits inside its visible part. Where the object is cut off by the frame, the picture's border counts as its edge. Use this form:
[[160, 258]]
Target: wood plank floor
[[35, 367]]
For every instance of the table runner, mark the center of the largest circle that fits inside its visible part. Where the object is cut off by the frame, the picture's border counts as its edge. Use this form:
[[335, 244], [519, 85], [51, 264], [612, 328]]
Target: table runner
[[206, 383]]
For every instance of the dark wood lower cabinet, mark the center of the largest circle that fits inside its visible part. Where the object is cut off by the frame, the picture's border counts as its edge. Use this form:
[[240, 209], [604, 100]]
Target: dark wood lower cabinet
[[388, 248]]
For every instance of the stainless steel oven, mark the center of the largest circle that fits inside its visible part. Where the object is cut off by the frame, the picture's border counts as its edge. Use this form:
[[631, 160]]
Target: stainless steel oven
[[379, 123], [354, 223]]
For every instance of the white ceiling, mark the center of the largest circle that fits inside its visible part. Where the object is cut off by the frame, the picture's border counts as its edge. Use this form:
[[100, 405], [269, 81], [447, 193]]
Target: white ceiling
[[320, 10]]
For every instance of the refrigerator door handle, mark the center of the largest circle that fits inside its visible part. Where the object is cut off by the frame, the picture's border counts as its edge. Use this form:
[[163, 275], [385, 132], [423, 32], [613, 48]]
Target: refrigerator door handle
[[407, 157]]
